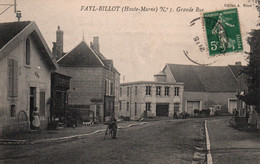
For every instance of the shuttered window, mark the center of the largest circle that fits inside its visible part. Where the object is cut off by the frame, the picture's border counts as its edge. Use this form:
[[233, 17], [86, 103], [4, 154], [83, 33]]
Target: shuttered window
[[135, 108], [111, 88], [42, 104], [12, 78], [106, 87]]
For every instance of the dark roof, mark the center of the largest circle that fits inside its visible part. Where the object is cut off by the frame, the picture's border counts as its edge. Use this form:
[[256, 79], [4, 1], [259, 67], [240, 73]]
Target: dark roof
[[240, 76], [9, 30], [84, 56], [100, 55], [204, 78], [184, 73], [13, 33], [236, 69], [81, 55]]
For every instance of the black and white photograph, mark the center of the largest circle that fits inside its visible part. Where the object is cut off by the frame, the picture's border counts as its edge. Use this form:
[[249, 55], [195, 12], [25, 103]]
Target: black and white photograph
[[130, 81]]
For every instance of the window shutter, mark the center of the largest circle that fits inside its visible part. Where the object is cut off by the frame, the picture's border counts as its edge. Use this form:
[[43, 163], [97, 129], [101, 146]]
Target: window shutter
[[10, 77], [15, 79], [106, 88], [42, 104]]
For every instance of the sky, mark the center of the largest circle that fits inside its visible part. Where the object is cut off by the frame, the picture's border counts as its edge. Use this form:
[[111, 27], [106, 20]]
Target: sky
[[140, 43]]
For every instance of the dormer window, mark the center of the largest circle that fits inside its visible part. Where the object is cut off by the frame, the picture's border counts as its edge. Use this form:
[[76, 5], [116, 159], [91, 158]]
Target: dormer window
[[27, 52]]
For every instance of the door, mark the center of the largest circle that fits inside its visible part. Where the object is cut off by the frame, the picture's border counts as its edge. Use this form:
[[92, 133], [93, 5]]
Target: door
[[192, 105], [32, 103], [232, 104], [162, 110], [61, 105]]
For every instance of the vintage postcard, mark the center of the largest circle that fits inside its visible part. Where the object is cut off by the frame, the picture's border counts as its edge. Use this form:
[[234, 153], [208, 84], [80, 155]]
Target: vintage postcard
[[129, 81]]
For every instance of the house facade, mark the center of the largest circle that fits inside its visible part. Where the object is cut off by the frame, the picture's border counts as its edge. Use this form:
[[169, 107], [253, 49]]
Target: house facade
[[150, 98], [26, 64], [207, 87], [94, 83]]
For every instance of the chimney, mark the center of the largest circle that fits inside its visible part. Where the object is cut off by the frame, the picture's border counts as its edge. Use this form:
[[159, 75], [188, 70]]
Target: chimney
[[95, 44], [57, 49], [238, 63]]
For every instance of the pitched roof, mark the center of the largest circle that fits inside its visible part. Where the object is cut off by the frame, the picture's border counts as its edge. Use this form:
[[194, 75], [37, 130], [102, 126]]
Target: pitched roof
[[84, 56], [13, 33], [241, 78], [236, 69], [204, 78], [9, 30], [81, 55]]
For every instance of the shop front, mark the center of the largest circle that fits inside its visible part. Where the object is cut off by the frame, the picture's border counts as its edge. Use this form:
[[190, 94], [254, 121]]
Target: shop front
[[59, 97]]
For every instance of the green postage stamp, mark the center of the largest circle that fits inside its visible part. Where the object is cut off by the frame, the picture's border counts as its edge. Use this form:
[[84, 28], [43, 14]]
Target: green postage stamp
[[222, 31]]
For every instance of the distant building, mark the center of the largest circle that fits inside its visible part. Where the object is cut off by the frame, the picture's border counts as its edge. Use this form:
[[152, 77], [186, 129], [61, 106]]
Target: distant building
[[26, 64], [151, 98], [94, 83], [208, 87]]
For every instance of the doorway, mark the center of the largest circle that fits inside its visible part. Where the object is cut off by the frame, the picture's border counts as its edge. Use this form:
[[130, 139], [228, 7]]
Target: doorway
[[192, 105], [32, 103], [162, 110]]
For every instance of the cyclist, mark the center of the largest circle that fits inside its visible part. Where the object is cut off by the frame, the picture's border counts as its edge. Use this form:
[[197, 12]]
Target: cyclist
[[113, 125]]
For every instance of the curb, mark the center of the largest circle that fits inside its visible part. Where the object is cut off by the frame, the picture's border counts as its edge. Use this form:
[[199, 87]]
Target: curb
[[200, 153], [209, 157], [59, 139]]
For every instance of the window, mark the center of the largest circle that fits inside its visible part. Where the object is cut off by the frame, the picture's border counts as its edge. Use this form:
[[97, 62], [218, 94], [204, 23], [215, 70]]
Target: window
[[127, 91], [148, 90], [12, 78], [148, 106], [111, 88], [158, 90], [176, 107], [127, 106], [167, 91], [120, 105], [13, 110], [28, 52], [176, 91], [120, 92], [135, 90], [106, 87], [135, 108]]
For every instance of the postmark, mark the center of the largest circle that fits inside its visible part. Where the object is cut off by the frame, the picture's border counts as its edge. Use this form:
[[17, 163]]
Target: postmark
[[223, 32], [197, 51]]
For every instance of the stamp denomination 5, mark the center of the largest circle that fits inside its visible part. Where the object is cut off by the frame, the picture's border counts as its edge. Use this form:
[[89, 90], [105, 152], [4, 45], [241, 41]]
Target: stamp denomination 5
[[222, 31]]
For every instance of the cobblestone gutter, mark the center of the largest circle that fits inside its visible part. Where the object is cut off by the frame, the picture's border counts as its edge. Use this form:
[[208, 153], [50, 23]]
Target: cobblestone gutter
[[200, 155], [61, 139]]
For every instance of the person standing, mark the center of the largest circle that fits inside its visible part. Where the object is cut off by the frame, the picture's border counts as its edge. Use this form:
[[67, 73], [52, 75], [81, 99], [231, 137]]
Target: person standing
[[36, 120], [113, 125]]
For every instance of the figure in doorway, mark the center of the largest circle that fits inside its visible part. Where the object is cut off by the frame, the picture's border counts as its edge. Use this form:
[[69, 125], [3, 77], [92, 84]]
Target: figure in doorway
[[175, 115], [36, 119]]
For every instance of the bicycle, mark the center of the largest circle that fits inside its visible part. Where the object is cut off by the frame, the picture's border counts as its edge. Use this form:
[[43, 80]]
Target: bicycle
[[111, 130]]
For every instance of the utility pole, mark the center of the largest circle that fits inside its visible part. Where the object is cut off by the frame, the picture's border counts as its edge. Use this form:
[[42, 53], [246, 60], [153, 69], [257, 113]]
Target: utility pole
[[8, 6]]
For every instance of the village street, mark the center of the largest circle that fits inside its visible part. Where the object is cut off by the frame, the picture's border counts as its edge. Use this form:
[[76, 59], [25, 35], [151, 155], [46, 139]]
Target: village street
[[166, 141], [229, 145]]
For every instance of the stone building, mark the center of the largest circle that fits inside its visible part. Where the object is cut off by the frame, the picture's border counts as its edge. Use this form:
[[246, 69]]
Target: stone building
[[208, 87], [94, 83], [26, 64], [150, 98]]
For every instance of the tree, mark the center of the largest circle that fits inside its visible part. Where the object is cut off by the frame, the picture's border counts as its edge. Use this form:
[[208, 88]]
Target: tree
[[252, 71]]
